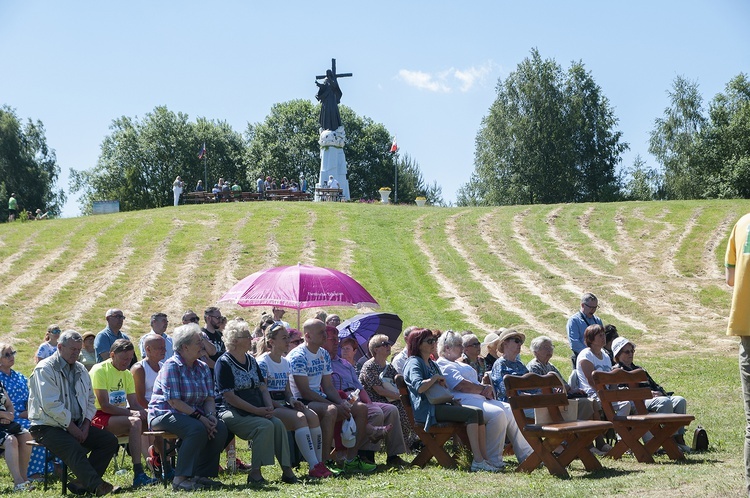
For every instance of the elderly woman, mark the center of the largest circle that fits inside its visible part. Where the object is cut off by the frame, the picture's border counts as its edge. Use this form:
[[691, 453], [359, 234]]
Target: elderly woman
[[543, 349], [295, 339], [471, 356], [13, 442], [293, 413], [374, 371], [489, 349], [182, 402], [246, 407], [88, 353], [49, 346], [17, 387], [462, 381], [420, 374], [509, 363], [662, 402], [593, 358]]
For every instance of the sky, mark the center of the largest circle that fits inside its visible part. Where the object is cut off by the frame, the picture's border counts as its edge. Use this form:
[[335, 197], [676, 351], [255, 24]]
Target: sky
[[427, 70]]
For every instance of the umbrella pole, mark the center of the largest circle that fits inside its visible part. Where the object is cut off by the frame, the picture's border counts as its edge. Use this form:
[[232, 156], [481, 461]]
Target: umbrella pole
[[298, 319]]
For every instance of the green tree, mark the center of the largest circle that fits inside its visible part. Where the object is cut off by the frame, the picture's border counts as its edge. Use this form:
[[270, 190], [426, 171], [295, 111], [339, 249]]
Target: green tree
[[28, 167], [642, 183], [140, 159], [724, 147], [674, 141], [548, 137]]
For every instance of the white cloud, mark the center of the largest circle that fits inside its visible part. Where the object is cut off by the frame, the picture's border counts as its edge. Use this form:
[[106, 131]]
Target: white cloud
[[445, 81], [423, 81]]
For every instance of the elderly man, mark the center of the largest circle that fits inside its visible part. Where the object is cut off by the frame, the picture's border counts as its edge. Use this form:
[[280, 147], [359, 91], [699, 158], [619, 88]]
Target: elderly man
[[578, 322], [379, 415], [107, 337], [159, 323], [311, 371], [61, 407], [117, 409]]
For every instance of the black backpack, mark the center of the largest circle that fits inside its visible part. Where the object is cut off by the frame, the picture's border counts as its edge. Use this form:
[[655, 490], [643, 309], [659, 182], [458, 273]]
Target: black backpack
[[700, 439]]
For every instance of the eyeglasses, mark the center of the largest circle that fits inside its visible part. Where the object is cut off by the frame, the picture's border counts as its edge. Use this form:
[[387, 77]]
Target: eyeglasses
[[383, 344], [431, 340], [244, 336], [514, 339], [627, 351], [9, 354], [592, 307], [54, 331], [297, 341], [215, 316], [119, 317], [194, 319], [473, 345]]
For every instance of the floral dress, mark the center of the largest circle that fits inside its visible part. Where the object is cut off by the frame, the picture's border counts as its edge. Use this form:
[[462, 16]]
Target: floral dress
[[17, 388], [369, 377]]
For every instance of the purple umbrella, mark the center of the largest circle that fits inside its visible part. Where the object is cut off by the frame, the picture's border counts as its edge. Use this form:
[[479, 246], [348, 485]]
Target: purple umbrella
[[363, 327], [299, 287]]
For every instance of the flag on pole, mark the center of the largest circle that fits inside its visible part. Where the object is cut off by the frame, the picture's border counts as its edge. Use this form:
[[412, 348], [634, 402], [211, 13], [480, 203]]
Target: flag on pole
[[394, 146], [202, 152]]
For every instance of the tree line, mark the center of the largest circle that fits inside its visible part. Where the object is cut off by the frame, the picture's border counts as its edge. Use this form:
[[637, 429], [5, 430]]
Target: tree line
[[140, 158], [551, 136]]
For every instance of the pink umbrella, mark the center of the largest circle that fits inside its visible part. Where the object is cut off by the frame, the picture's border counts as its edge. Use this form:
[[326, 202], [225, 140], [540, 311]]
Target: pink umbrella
[[299, 287]]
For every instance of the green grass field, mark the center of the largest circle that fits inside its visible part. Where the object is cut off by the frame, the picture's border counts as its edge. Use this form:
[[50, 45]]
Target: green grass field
[[656, 268]]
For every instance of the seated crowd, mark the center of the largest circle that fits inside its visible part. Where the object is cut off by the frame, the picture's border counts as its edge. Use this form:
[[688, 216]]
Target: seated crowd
[[276, 386]]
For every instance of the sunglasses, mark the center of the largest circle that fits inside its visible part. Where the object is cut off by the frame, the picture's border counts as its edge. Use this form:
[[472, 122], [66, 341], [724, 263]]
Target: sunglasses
[[10, 354], [473, 345], [515, 339], [383, 344], [195, 319], [54, 331], [431, 340]]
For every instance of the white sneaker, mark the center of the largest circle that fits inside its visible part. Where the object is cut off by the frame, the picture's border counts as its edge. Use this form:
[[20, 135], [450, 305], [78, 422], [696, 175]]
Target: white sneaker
[[498, 465], [483, 466]]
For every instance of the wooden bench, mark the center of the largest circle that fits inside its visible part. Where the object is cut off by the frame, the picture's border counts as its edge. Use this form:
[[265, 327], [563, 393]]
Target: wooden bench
[[434, 438], [632, 428], [329, 194], [575, 437], [169, 443]]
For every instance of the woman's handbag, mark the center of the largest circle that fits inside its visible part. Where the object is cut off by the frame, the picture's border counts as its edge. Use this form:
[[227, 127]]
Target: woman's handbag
[[388, 382], [13, 428], [438, 395], [569, 413]]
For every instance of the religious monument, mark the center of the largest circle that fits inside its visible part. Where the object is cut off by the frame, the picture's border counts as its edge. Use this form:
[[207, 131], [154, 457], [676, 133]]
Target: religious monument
[[332, 135]]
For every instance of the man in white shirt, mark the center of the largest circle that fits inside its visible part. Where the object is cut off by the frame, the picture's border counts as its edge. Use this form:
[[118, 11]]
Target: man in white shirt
[[159, 323]]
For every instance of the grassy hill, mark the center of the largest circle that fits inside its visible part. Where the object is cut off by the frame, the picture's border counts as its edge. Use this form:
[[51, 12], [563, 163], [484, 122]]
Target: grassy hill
[[656, 268]]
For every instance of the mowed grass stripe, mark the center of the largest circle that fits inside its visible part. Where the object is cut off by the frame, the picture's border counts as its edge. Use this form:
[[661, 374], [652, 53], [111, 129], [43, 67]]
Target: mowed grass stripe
[[451, 265], [530, 286], [500, 282]]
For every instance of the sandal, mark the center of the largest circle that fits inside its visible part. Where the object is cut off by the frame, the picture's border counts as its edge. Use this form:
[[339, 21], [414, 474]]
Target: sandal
[[187, 485], [379, 432]]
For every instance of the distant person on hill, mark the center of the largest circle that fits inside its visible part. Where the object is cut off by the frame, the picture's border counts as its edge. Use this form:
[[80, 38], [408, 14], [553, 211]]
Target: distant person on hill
[[260, 185], [12, 207], [278, 316], [579, 321], [332, 182], [236, 187], [737, 262], [40, 215], [199, 186], [177, 187]]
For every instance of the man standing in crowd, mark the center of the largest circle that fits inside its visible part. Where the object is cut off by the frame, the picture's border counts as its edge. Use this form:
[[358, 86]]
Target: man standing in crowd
[[108, 336], [278, 317], [737, 262], [61, 407], [12, 207], [212, 337], [159, 323], [578, 322]]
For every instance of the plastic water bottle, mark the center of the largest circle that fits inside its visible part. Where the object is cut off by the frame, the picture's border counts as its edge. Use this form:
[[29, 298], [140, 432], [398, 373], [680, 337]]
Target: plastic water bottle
[[231, 458]]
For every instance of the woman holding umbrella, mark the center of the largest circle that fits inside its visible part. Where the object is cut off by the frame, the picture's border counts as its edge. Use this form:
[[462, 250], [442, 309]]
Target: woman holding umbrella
[[374, 371]]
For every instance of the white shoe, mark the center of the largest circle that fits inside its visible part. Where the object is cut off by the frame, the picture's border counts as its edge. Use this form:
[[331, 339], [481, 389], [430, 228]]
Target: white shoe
[[483, 466], [498, 465]]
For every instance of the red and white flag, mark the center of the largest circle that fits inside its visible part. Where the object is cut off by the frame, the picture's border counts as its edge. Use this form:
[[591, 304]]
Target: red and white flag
[[394, 146]]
